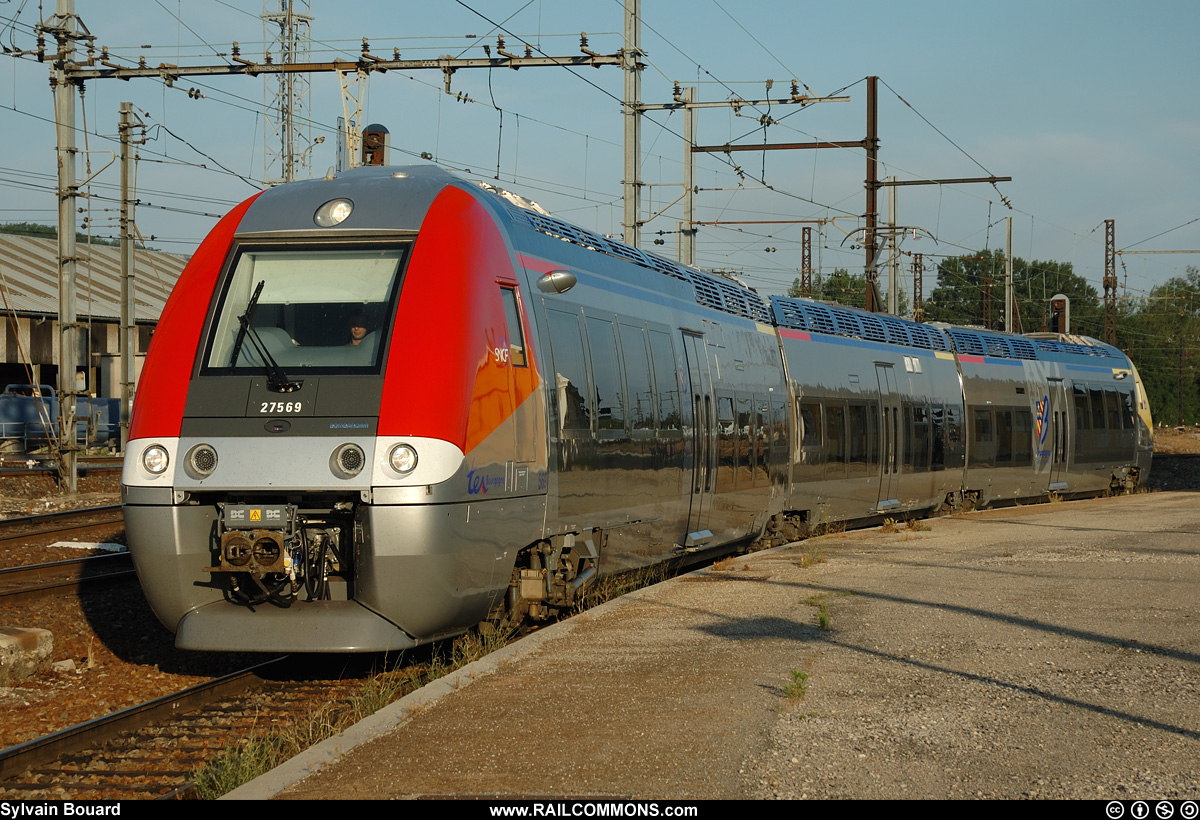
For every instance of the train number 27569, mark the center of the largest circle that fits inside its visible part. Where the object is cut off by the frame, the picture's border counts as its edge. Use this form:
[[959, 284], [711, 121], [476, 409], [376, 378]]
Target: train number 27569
[[274, 407]]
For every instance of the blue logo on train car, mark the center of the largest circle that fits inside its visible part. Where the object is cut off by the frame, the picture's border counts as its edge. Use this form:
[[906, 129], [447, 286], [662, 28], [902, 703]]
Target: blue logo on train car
[[1043, 418], [481, 484]]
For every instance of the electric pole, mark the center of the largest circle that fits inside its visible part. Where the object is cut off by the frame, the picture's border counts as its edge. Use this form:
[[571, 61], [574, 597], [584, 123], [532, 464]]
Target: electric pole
[[63, 25], [632, 66], [684, 99], [1110, 281], [918, 272], [128, 338], [1008, 279], [287, 138], [806, 262]]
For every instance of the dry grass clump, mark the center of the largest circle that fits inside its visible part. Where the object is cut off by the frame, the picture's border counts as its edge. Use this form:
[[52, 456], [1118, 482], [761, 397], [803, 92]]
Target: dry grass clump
[[260, 752]]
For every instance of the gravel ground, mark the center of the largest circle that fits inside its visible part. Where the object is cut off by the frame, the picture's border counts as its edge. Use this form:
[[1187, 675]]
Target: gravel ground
[[973, 662], [112, 651], [1034, 652]]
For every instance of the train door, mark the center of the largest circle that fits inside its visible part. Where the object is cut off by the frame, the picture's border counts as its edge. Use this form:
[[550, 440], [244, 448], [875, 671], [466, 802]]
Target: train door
[[889, 437], [1057, 434], [703, 449]]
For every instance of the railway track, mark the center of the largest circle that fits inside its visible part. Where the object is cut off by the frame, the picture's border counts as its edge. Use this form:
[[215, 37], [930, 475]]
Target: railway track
[[71, 758], [72, 576], [154, 749], [50, 526]]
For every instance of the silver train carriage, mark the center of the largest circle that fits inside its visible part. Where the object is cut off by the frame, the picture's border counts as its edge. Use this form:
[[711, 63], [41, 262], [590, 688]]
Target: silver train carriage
[[382, 408]]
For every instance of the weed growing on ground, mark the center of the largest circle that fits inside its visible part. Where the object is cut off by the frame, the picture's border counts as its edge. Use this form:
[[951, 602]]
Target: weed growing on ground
[[258, 753], [798, 688], [828, 528], [822, 606], [614, 586], [889, 525], [812, 554], [916, 525]]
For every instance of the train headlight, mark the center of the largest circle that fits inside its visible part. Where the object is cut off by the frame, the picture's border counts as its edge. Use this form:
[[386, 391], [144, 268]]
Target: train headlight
[[348, 461], [334, 212], [403, 459], [155, 459]]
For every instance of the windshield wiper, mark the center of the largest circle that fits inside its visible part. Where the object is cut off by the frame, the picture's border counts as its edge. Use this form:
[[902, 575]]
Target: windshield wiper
[[244, 319], [277, 380]]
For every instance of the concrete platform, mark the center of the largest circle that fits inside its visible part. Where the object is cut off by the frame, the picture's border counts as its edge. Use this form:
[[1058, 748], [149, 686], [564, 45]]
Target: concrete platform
[[1048, 651]]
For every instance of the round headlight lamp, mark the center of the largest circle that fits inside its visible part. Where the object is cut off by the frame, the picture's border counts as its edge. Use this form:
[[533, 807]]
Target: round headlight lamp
[[155, 459], [334, 212], [403, 459]]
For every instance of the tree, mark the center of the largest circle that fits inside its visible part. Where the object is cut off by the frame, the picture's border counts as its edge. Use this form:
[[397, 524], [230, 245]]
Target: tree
[[1160, 333], [966, 285]]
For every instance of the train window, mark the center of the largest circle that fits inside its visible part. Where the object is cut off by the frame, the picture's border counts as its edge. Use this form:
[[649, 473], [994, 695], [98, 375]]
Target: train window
[[637, 376], [761, 443], [920, 438], [810, 424], [983, 449], [570, 372], [516, 331], [954, 438], [779, 431], [937, 419], [1083, 418], [1022, 438], [859, 439], [726, 437], [1096, 396], [745, 443], [1112, 408], [1126, 397], [1004, 437], [666, 378], [835, 439], [606, 376], [306, 311]]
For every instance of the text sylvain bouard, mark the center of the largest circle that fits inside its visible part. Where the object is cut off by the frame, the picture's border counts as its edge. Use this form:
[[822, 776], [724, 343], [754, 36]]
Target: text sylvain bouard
[[64, 809]]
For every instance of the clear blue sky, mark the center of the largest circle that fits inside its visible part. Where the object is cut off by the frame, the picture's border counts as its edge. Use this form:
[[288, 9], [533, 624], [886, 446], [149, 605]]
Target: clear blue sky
[[1091, 107]]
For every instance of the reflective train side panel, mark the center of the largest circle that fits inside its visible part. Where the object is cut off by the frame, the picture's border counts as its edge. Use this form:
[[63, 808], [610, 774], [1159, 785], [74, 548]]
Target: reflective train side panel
[[896, 419], [382, 408]]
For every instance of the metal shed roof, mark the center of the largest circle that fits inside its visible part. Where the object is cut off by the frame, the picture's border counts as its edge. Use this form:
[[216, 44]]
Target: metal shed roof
[[29, 278]]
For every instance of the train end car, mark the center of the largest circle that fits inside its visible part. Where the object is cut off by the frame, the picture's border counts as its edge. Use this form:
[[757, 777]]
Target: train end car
[[339, 430], [1049, 414]]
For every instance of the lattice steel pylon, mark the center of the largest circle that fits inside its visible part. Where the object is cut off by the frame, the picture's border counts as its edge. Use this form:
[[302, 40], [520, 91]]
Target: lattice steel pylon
[[918, 300], [287, 137], [1110, 281], [806, 263]]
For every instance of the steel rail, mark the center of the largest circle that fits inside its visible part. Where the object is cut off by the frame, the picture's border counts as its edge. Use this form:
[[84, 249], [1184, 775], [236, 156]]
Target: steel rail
[[42, 580], [17, 759]]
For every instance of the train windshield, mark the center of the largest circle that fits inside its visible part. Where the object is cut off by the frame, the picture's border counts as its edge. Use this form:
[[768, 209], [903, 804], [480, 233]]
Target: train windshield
[[306, 311]]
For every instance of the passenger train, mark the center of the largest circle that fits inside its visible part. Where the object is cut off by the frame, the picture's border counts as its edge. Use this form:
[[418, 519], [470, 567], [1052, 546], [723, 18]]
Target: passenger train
[[383, 407]]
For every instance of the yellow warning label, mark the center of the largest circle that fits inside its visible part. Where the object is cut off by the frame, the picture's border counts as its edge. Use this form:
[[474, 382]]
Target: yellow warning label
[[256, 515]]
